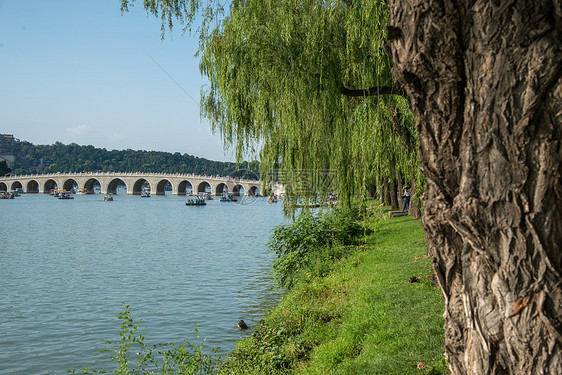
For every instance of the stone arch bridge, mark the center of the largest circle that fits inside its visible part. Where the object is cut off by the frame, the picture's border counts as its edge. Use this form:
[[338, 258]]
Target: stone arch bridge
[[134, 182]]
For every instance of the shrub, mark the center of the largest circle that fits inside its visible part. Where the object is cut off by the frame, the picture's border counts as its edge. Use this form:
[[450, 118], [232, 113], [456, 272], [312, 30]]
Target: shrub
[[311, 241]]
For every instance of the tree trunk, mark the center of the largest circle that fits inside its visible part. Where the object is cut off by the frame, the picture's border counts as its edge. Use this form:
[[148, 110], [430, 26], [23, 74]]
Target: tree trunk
[[484, 80], [386, 193], [373, 191], [393, 189]]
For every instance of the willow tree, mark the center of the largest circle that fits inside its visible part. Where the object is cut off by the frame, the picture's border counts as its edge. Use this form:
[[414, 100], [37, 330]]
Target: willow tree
[[307, 85], [309, 81], [484, 78]]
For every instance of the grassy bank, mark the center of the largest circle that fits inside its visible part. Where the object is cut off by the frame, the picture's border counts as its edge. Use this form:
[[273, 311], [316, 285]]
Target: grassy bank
[[368, 308]]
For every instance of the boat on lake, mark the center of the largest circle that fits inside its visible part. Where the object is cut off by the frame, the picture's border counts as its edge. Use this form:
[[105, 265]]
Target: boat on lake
[[56, 192], [82, 191], [195, 200], [145, 193], [65, 195], [309, 203], [108, 198], [228, 197]]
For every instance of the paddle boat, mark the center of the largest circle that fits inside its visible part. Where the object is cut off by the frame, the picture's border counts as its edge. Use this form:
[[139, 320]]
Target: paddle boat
[[228, 197], [82, 191], [309, 203], [65, 195], [195, 200], [6, 195], [56, 192]]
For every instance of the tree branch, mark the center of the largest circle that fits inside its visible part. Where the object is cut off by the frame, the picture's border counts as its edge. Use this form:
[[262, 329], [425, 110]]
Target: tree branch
[[378, 90]]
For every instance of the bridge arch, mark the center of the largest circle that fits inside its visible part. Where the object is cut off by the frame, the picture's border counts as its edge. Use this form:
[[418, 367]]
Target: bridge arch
[[3, 187], [49, 185], [161, 187], [221, 188], [113, 184], [69, 184], [238, 189], [202, 187], [32, 187], [90, 185], [184, 186], [254, 191], [138, 185], [16, 185]]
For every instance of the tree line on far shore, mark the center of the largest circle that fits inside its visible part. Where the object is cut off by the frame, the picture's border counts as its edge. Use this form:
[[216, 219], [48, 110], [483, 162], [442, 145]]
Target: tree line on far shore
[[59, 157]]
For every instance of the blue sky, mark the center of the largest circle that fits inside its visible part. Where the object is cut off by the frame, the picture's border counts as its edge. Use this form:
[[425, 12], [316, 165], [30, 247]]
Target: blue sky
[[78, 71]]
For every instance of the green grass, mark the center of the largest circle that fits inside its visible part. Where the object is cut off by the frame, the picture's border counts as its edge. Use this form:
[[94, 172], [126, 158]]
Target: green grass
[[363, 317]]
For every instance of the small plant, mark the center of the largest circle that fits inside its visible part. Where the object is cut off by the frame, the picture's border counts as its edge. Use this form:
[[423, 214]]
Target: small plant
[[173, 358]]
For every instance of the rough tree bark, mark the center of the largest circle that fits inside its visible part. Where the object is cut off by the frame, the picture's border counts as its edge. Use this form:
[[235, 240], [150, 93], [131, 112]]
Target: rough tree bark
[[386, 193], [484, 80], [393, 189]]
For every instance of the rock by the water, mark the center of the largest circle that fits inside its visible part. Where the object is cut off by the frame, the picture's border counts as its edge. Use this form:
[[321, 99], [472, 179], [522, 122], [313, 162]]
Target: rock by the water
[[242, 325]]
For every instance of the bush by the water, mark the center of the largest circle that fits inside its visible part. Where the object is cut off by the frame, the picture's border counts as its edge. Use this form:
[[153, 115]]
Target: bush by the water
[[309, 245]]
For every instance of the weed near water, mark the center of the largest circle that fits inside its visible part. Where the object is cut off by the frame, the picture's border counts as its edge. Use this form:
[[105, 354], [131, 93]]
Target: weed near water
[[172, 358]]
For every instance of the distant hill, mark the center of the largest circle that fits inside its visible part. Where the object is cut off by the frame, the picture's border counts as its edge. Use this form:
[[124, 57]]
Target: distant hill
[[30, 158]]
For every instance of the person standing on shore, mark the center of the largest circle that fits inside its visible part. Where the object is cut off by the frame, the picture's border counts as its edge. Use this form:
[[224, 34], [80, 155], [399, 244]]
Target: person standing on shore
[[406, 197]]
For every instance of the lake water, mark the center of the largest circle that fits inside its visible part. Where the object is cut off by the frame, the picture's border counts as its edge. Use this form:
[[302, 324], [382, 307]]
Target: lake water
[[66, 266]]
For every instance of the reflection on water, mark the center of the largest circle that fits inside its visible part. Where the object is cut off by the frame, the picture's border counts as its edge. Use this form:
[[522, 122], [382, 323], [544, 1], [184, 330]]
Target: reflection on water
[[66, 266]]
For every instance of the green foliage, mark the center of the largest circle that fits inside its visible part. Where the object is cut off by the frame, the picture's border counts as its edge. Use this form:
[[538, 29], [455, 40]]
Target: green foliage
[[173, 358], [4, 169], [364, 317], [311, 243], [75, 158]]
